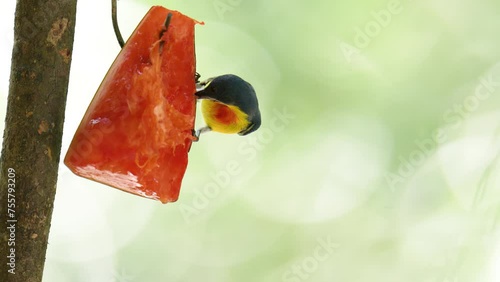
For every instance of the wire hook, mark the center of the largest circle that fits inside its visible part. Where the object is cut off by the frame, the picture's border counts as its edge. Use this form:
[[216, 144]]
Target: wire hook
[[114, 18]]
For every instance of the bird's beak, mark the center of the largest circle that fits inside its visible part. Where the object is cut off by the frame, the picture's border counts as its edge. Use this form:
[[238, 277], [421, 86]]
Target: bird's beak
[[247, 130]]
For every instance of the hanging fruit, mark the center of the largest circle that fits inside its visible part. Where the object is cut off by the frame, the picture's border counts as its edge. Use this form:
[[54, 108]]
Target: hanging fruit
[[137, 131]]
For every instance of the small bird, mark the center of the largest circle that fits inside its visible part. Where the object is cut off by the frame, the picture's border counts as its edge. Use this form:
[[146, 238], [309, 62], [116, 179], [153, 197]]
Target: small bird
[[229, 105]]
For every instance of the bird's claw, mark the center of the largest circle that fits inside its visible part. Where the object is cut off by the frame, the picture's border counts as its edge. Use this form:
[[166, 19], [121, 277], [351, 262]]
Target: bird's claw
[[197, 133]]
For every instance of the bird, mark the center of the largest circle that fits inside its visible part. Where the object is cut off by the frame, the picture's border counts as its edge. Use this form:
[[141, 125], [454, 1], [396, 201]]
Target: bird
[[229, 105]]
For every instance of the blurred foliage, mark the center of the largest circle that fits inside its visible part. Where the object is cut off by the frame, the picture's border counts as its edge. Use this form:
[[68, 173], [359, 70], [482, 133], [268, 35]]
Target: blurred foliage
[[366, 85]]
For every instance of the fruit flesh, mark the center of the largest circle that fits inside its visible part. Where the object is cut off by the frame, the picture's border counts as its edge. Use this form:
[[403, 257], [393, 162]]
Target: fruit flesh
[[137, 131]]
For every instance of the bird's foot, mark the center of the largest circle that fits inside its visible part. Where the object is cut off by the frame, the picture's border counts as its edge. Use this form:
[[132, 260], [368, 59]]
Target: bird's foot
[[197, 133]]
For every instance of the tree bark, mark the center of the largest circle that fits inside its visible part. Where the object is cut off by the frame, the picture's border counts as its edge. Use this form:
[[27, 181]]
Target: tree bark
[[41, 58]]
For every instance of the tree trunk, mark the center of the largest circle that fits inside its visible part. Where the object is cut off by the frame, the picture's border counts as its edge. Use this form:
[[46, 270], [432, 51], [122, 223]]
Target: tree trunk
[[41, 58]]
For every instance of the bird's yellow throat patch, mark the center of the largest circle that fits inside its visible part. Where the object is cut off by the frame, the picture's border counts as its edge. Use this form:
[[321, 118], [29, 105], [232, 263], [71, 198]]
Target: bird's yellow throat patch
[[223, 118]]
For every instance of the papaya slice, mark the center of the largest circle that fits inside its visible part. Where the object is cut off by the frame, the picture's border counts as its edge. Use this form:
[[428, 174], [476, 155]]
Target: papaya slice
[[137, 131]]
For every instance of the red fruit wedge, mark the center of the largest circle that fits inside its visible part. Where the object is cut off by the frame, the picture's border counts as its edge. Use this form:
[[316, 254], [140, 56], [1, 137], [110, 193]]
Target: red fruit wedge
[[137, 131]]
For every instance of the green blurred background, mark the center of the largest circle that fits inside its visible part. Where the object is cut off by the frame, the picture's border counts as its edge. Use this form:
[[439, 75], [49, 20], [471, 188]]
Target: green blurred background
[[378, 158]]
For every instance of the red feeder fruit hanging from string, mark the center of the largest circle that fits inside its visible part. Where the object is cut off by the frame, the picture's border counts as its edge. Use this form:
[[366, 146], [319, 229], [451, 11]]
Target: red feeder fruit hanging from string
[[137, 131]]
